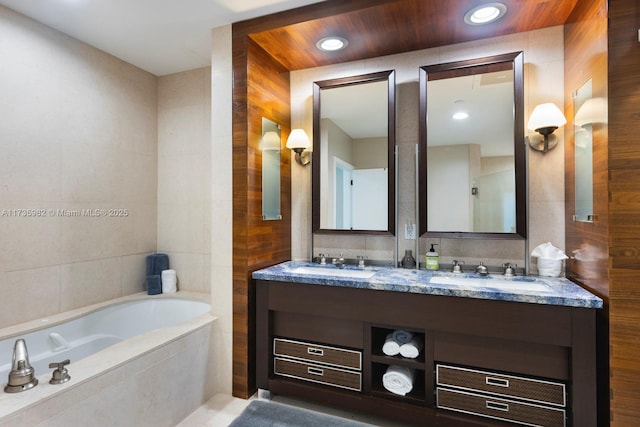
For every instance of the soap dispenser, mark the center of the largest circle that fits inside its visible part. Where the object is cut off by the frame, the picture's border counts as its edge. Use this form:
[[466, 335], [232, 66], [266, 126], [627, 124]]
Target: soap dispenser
[[432, 260]]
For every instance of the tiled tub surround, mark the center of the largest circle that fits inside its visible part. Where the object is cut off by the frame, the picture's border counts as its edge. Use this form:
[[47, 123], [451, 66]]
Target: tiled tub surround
[[528, 289], [171, 369]]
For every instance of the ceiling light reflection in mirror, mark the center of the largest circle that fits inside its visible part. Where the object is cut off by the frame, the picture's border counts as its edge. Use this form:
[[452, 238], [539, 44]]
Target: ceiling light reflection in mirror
[[353, 172], [470, 154]]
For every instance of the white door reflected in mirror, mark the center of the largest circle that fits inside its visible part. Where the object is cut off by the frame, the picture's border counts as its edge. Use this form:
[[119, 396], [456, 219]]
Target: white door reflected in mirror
[[353, 164]]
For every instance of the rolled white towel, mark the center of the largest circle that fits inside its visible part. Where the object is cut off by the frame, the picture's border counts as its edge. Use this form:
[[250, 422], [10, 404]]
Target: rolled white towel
[[398, 379], [169, 281], [390, 346], [412, 349], [402, 337]]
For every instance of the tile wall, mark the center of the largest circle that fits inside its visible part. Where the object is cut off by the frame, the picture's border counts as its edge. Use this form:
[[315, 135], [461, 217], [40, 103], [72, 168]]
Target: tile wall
[[543, 57], [222, 201], [184, 176], [78, 134]]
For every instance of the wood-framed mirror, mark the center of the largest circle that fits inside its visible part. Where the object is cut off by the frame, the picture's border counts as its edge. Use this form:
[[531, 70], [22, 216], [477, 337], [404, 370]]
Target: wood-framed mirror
[[472, 166], [353, 165]]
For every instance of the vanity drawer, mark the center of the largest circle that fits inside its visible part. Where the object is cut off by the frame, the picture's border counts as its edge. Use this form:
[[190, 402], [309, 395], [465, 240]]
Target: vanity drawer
[[335, 377], [530, 389], [501, 409], [333, 356]]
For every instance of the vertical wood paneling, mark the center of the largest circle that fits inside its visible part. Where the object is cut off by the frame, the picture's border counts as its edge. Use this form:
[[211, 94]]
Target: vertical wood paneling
[[261, 89], [624, 210], [240, 207], [612, 268], [588, 243], [586, 58]]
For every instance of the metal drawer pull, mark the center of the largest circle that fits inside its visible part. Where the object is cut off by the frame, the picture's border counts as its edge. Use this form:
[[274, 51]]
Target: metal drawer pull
[[315, 371], [500, 382], [315, 351], [497, 406]]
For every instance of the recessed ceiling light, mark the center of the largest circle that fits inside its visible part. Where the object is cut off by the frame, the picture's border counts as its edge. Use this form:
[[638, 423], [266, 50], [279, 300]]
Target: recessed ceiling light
[[460, 115], [330, 44], [485, 13]]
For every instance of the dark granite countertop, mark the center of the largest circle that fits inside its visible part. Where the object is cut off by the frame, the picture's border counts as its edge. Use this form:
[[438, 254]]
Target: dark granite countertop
[[527, 289]]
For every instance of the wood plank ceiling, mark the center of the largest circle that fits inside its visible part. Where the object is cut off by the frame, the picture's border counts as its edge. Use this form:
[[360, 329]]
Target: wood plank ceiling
[[400, 26]]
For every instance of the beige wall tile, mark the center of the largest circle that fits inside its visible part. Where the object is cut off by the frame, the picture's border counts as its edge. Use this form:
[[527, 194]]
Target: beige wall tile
[[31, 169], [79, 132], [190, 269], [28, 242], [181, 178], [134, 271], [90, 282], [33, 293], [181, 227], [184, 175]]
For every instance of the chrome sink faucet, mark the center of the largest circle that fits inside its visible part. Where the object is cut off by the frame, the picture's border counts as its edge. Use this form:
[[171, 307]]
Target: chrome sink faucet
[[481, 269], [509, 270], [456, 267], [338, 262]]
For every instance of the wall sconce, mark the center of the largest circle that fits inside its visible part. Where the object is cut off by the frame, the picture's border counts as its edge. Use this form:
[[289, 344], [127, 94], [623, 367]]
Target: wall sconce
[[298, 141], [593, 111], [545, 119], [271, 141]]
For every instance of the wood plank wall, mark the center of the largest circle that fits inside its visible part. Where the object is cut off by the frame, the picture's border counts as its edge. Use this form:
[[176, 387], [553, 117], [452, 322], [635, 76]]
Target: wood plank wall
[[612, 267], [624, 210], [585, 58], [261, 89]]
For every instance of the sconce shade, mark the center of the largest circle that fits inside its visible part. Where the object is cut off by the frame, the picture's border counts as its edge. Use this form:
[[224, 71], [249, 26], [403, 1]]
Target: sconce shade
[[546, 116], [270, 141], [298, 140], [594, 110], [545, 119]]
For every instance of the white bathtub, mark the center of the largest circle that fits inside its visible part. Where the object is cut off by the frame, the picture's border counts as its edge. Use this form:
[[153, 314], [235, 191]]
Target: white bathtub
[[134, 361]]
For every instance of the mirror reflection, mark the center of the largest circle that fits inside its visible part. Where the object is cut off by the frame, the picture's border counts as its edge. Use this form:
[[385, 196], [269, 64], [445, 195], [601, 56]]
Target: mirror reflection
[[586, 111], [472, 114], [353, 141], [270, 145]]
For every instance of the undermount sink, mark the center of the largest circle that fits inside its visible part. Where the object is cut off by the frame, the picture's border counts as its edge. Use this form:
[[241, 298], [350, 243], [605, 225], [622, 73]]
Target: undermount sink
[[501, 284], [330, 271]]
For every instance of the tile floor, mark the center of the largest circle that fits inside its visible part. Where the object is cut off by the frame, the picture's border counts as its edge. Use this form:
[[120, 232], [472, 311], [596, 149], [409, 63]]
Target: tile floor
[[222, 409]]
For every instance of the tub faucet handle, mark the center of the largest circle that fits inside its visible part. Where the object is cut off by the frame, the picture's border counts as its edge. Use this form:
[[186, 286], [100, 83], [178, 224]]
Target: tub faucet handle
[[60, 375]]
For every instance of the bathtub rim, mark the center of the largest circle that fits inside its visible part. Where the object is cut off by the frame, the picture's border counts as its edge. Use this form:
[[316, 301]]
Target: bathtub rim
[[101, 363], [13, 331]]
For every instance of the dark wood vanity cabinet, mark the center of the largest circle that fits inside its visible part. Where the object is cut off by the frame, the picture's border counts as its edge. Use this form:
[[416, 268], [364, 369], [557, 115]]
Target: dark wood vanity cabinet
[[483, 360]]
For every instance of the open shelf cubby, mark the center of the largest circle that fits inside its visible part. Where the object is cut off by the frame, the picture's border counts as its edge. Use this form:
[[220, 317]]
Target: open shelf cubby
[[378, 337], [416, 396]]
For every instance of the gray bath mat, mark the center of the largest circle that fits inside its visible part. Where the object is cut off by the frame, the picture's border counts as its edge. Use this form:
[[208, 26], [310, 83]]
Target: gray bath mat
[[270, 414]]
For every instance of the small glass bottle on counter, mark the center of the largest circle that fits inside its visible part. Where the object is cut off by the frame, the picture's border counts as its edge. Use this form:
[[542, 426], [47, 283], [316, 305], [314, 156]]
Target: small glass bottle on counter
[[408, 261]]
